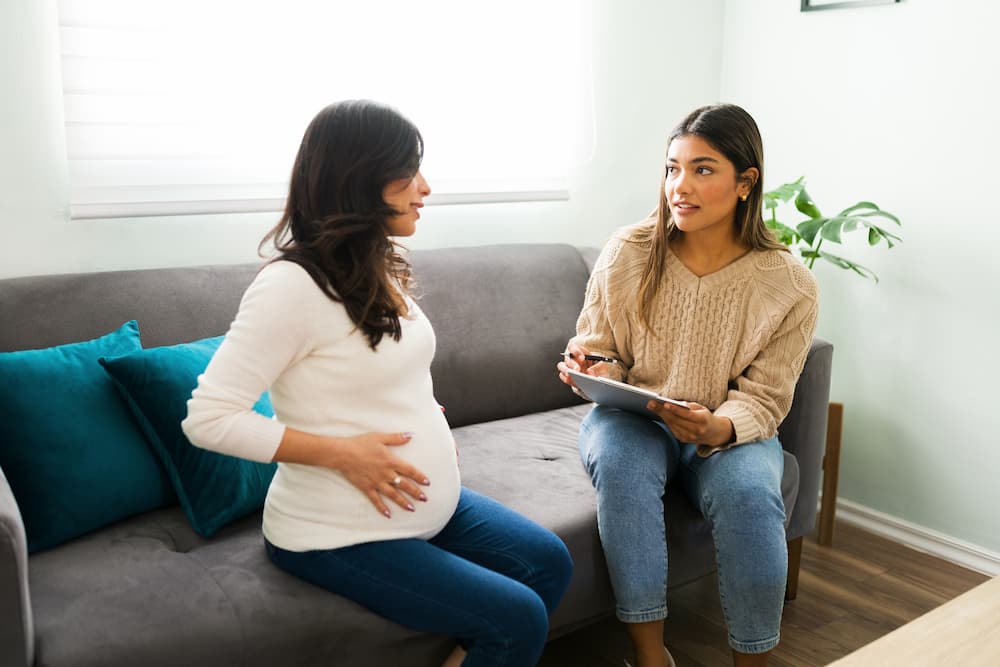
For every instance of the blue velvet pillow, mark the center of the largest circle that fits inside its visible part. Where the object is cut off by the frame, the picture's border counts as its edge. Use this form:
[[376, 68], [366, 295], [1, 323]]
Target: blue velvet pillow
[[156, 383], [74, 457]]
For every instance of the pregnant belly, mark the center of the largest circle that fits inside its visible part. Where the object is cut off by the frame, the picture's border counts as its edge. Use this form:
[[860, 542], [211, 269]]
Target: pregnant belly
[[316, 508]]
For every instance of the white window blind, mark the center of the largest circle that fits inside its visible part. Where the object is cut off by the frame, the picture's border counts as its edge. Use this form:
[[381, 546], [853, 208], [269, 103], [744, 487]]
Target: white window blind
[[198, 106]]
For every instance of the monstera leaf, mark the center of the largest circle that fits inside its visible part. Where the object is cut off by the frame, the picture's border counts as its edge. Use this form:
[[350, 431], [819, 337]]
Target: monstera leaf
[[807, 236]]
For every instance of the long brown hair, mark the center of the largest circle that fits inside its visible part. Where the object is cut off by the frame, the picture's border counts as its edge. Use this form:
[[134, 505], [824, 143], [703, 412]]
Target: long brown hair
[[731, 131], [335, 220]]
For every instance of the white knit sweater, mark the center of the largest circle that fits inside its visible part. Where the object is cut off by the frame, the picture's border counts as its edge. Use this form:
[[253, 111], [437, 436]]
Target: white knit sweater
[[290, 338]]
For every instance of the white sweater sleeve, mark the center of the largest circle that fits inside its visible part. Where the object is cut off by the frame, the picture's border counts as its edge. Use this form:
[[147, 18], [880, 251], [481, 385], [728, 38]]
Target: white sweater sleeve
[[270, 333]]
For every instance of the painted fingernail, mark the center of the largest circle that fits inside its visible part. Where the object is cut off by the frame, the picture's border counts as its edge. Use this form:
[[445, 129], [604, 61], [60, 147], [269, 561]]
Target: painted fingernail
[[410, 507], [426, 482], [407, 435], [423, 497], [387, 514]]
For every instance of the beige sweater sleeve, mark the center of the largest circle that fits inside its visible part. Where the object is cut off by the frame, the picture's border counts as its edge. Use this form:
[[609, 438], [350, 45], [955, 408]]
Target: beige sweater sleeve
[[761, 397], [600, 318]]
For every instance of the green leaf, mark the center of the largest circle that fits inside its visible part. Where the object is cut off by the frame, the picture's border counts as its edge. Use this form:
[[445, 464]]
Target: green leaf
[[805, 204], [882, 233], [831, 230], [869, 209], [809, 228], [860, 206], [783, 232], [784, 192], [834, 228], [844, 263]]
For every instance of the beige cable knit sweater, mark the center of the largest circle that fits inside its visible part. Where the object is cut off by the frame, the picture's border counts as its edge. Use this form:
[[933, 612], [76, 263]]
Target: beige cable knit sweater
[[734, 341]]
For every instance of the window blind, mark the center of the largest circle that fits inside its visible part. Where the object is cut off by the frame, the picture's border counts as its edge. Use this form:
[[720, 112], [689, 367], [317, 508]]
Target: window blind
[[191, 107]]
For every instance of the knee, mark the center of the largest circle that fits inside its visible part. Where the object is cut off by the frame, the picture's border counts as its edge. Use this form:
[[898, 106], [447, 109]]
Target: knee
[[522, 628], [761, 497], [749, 502], [618, 448], [559, 565]]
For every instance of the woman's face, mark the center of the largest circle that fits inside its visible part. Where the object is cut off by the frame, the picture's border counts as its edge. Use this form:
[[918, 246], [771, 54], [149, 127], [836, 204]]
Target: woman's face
[[406, 197], [701, 186]]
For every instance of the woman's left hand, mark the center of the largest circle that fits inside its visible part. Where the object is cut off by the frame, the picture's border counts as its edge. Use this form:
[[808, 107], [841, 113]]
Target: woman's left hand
[[695, 424]]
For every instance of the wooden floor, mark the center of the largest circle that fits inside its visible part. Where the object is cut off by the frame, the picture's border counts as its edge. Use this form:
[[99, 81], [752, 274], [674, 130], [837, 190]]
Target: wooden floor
[[849, 595]]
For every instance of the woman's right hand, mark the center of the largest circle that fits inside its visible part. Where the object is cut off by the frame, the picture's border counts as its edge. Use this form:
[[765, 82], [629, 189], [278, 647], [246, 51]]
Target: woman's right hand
[[365, 460], [369, 464], [573, 359]]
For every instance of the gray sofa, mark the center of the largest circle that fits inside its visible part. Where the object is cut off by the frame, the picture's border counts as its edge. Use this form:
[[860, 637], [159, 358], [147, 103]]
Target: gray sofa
[[149, 591]]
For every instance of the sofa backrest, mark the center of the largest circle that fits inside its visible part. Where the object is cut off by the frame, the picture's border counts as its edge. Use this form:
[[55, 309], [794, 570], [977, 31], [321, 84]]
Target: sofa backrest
[[175, 305], [501, 314]]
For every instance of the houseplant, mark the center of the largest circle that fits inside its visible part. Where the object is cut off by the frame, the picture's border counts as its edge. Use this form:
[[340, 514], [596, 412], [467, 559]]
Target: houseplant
[[808, 236]]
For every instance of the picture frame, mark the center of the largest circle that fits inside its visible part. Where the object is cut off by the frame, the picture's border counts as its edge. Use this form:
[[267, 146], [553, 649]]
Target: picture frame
[[815, 5]]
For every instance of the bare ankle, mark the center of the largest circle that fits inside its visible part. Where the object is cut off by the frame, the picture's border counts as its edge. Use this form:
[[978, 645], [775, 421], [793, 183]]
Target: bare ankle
[[750, 659], [455, 659]]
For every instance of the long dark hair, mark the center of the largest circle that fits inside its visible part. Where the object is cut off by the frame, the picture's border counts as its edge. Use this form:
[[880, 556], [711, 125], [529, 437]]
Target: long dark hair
[[732, 132], [335, 220]]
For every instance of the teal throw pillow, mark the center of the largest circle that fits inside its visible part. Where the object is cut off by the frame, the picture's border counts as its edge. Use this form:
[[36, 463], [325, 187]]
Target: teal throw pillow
[[156, 383], [73, 455]]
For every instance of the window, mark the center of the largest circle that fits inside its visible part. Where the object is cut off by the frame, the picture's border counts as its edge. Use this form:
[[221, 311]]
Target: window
[[197, 106]]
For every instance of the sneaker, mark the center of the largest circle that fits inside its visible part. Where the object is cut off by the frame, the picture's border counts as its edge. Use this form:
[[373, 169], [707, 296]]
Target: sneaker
[[670, 659]]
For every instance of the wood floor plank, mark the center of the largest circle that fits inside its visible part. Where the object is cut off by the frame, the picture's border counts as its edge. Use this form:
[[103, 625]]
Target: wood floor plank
[[850, 594]]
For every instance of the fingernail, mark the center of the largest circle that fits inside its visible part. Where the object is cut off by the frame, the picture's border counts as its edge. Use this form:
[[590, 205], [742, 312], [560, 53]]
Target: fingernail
[[407, 435], [426, 482], [410, 507], [423, 497], [387, 514]]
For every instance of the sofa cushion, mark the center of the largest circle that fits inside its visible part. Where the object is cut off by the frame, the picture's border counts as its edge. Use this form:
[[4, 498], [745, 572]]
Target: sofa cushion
[[150, 591], [531, 464], [72, 454], [156, 384], [221, 601]]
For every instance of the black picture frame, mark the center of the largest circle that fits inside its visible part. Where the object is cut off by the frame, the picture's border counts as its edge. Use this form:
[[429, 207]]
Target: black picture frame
[[815, 5]]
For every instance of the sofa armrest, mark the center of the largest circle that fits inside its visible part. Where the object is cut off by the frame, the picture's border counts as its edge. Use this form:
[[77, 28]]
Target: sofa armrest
[[803, 433], [17, 637]]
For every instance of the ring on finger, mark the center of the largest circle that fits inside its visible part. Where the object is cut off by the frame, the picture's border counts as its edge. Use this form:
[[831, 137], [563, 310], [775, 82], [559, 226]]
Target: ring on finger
[[396, 480]]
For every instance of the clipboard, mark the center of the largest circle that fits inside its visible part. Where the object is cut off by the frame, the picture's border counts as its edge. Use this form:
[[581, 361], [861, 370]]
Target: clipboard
[[619, 395]]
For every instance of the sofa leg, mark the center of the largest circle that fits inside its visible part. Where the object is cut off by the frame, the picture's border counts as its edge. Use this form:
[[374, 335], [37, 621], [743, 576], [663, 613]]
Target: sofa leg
[[794, 560]]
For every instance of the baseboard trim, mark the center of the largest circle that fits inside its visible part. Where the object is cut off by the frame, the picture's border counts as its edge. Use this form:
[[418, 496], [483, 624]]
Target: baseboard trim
[[918, 537]]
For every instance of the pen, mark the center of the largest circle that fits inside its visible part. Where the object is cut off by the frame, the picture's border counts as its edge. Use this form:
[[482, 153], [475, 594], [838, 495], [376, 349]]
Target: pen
[[595, 357]]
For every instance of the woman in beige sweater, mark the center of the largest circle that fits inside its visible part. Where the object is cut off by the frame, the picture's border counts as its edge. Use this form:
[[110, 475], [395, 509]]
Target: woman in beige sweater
[[699, 303]]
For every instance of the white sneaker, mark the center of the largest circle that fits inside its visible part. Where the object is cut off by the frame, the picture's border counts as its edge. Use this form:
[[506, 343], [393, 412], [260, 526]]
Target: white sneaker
[[670, 659]]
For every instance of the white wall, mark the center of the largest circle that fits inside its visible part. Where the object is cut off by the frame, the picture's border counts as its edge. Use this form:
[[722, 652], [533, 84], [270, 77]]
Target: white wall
[[634, 112], [897, 104]]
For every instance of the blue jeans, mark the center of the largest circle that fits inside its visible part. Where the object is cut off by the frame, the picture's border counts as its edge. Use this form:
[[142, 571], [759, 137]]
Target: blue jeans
[[631, 460], [489, 579]]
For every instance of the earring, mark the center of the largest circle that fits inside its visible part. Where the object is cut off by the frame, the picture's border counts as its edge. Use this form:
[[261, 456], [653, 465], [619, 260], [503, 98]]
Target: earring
[[743, 197]]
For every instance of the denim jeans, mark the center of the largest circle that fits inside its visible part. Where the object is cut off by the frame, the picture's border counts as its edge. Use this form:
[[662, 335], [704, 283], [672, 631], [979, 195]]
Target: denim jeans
[[489, 579], [631, 460]]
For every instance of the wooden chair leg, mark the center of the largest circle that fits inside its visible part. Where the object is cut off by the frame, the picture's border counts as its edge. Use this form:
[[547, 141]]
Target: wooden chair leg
[[794, 561], [831, 472]]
